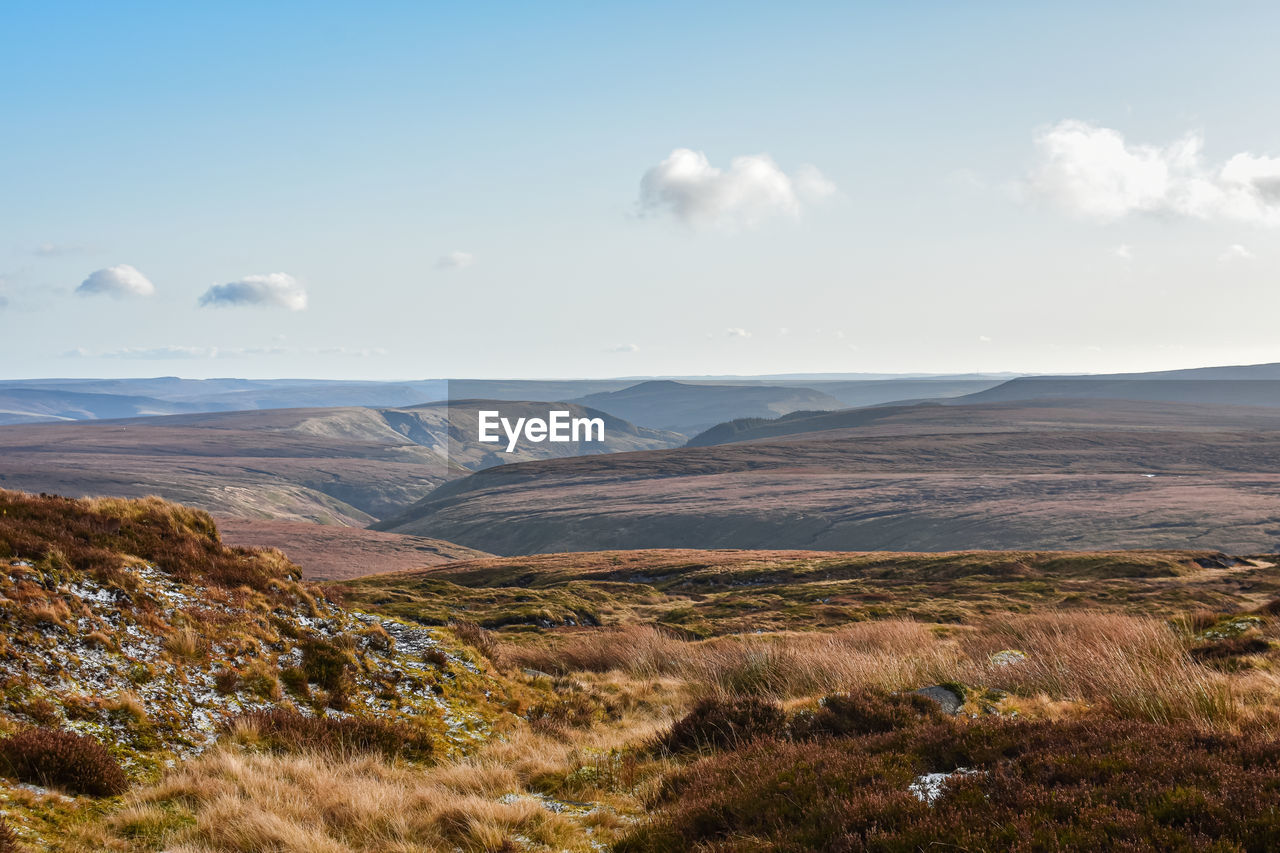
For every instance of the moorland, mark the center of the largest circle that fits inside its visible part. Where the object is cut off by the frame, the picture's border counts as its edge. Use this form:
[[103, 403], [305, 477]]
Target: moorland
[[970, 619], [164, 690]]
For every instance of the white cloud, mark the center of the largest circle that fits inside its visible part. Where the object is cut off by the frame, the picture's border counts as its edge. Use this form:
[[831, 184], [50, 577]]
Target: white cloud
[[1094, 173], [750, 191], [455, 261], [984, 339], [1236, 252], [274, 290], [120, 280], [625, 348], [1124, 252], [735, 332]]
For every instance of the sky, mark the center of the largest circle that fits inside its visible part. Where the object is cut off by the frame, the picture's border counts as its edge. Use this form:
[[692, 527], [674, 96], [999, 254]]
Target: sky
[[407, 190]]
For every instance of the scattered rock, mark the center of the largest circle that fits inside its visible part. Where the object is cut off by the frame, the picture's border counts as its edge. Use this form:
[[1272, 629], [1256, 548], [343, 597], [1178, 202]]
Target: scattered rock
[[947, 698], [929, 787], [1007, 657]]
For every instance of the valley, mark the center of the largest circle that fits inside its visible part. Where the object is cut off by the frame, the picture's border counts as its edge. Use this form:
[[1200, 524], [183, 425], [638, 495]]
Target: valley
[[346, 466], [1074, 474]]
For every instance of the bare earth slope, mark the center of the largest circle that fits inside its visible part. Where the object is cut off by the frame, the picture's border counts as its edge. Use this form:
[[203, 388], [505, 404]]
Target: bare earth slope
[[1086, 476]]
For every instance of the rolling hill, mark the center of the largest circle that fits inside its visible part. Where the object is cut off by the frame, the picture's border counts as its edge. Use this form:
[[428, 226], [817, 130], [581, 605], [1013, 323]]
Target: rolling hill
[[170, 394], [1219, 392], [687, 408], [1084, 475], [33, 400], [328, 552], [36, 405], [874, 392], [340, 466], [1237, 385], [939, 417]]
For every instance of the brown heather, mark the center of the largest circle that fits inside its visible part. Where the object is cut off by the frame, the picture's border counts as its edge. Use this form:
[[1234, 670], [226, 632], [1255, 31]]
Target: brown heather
[[1034, 785], [91, 535], [63, 759]]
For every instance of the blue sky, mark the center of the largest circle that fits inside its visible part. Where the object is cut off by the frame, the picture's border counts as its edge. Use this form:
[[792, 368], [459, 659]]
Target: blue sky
[[395, 190]]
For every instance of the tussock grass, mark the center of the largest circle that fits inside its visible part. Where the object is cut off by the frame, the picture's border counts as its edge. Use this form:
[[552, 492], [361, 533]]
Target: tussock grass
[[312, 798], [1137, 667]]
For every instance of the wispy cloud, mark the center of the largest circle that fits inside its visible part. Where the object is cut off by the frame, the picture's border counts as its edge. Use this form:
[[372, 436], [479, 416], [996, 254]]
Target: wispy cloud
[[1236, 252], [63, 250], [273, 290], [750, 191], [625, 348], [735, 332], [120, 280], [1124, 252], [1095, 173], [168, 353], [455, 261]]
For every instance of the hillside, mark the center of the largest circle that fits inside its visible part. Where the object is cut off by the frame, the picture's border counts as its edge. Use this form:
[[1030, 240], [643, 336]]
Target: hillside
[[727, 592], [131, 623], [328, 552], [1087, 476], [97, 399], [875, 392], [938, 417], [1218, 392], [897, 701], [34, 405], [688, 409], [163, 691], [345, 466], [27, 400]]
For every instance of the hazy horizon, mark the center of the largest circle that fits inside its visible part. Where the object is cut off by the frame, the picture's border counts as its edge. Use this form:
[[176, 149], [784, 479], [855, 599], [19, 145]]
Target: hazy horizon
[[691, 377]]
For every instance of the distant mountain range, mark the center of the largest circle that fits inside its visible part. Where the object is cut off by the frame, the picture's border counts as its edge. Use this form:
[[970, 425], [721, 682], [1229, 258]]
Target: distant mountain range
[[687, 407]]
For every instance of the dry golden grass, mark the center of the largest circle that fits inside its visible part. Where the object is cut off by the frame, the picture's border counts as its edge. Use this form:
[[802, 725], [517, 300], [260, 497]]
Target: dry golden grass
[[1137, 667], [614, 690], [233, 799]]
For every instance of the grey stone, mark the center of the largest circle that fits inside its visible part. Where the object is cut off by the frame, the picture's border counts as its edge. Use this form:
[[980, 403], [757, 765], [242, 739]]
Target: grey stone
[[946, 698]]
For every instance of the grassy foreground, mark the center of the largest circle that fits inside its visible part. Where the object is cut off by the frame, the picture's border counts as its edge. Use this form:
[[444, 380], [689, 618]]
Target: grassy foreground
[[650, 701]]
